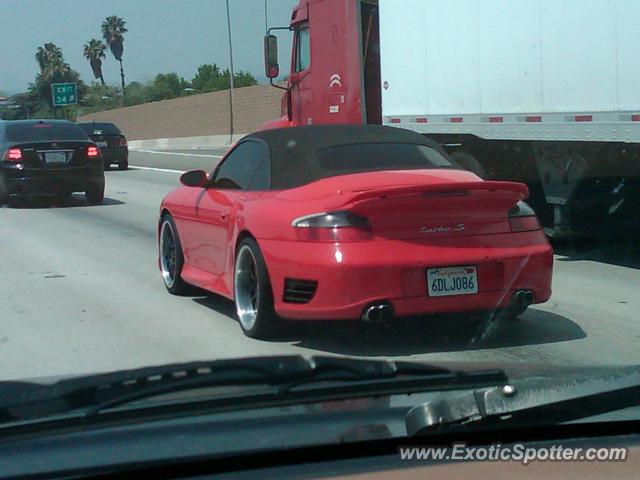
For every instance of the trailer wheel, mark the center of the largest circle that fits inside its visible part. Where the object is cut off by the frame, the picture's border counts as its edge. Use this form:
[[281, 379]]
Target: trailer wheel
[[469, 162]]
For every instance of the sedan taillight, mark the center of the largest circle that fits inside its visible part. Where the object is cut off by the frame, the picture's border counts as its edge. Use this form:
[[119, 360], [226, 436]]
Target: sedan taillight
[[92, 152], [522, 218], [14, 155], [332, 227]]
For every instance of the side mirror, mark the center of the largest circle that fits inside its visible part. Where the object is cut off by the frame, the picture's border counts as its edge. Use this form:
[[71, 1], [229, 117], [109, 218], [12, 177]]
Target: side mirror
[[271, 67], [194, 178]]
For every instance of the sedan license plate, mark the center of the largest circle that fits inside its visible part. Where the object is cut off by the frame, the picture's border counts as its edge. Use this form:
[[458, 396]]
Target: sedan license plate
[[55, 157], [452, 281], [101, 144]]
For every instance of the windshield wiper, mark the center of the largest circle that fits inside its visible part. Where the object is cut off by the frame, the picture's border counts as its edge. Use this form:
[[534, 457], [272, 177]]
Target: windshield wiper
[[538, 400], [94, 394]]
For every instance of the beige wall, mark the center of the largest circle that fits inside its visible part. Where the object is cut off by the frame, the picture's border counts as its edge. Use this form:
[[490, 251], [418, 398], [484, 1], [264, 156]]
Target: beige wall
[[195, 115]]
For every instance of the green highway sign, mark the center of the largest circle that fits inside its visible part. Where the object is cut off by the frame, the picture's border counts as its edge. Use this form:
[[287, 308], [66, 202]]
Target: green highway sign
[[64, 94]]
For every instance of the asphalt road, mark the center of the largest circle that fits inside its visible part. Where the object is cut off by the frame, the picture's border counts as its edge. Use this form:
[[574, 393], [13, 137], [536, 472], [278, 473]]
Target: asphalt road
[[204, 159], [81, 293]]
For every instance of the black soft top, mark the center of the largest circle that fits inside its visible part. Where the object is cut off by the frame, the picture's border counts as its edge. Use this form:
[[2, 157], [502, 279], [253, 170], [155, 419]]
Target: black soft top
[[323, 136], [295, 151]]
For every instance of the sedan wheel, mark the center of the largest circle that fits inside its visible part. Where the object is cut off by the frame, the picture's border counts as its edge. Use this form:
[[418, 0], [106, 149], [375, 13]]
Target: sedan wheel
[[95, 194], [171, 258], [253, 295]]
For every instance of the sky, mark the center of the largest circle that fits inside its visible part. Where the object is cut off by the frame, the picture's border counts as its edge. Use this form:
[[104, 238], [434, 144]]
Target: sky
[[164, 36]]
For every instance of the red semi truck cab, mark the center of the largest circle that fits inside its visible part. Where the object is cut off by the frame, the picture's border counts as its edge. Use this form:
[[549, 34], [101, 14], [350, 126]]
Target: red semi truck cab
[[336, 80]]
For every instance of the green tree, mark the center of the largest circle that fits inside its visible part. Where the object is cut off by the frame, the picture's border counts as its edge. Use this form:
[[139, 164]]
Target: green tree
[[93, 51], [210, 78], [100, 97], [19, 107], [244, 79], [166, 86], [137, 93], [40, 93], [113, 30]]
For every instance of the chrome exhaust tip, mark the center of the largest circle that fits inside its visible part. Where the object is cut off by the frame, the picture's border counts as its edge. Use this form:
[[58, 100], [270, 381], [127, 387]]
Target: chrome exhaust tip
[[377, 313]]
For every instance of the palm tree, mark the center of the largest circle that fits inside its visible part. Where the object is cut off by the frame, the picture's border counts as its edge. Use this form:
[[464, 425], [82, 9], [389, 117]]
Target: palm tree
[[51, 61], [48, 55], [94, 52], [113, 30]]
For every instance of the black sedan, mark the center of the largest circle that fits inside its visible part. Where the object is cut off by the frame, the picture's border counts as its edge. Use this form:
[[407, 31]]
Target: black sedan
[[49, 157], [111, 141]]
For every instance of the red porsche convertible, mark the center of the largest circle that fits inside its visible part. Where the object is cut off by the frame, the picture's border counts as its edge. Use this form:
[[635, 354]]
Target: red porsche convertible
[[347, 223]]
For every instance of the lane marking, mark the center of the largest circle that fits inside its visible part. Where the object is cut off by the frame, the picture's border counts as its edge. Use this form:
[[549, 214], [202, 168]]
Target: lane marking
[[179, 153], [154, 169]]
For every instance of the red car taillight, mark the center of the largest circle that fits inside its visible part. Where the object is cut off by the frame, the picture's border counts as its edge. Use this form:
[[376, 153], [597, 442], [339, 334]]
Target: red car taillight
[[522, 218], [14, 155], [341, 226], [92, 152], [123, 142]]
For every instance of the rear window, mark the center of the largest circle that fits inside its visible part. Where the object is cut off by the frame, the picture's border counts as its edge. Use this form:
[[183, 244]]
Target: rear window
[[100, 128], [367, 157], [44, 132]]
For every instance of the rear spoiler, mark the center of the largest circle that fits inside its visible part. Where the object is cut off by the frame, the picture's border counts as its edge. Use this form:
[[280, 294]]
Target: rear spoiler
[[519, 190]]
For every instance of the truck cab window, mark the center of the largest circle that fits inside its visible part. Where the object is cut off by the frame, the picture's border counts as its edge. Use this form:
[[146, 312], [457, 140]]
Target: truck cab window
[[303, 49]]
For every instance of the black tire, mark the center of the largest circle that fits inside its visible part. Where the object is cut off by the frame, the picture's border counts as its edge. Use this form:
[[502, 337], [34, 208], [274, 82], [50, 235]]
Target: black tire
[[171, 267], [95, 194], [123, 165], [255, 312], [107, 166], [4, 192]]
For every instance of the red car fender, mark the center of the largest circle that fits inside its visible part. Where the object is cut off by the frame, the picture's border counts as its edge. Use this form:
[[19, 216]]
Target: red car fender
[[262, 220]]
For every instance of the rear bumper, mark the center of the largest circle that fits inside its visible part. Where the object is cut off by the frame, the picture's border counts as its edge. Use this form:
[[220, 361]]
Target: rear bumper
[[352, 276], [48, 181], [114, 154]]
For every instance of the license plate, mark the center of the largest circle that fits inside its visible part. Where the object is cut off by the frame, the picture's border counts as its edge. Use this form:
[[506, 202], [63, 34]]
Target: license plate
[[452, 281], [101, 144], [55, 157]]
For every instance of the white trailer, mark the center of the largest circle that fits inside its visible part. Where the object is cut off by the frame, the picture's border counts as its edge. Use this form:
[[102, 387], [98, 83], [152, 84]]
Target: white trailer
[[542, 91]]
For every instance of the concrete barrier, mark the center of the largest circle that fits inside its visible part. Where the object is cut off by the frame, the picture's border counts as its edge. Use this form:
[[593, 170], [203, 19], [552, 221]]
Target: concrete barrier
[[207, 141]]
